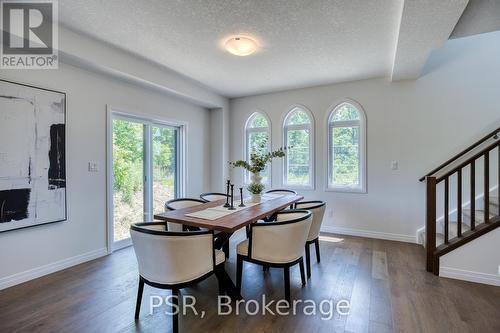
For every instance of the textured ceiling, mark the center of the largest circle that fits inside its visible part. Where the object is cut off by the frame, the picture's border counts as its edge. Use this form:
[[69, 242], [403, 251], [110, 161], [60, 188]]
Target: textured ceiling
[[303, 43], [479, 17]]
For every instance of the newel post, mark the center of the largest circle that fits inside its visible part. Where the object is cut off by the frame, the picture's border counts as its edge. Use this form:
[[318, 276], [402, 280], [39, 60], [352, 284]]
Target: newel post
[[430, 221]]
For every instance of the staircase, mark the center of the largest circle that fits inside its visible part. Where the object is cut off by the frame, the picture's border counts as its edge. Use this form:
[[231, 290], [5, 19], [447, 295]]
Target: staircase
[[466, 221], [468, 172]]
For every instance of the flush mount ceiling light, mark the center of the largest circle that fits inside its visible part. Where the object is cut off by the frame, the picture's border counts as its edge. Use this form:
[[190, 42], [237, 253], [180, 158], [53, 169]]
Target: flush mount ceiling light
[[241, 45]]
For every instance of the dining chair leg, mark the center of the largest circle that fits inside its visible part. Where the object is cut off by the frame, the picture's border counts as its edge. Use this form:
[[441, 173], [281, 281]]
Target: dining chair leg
[[287, 283], [302, 273], [139, 298], [175, 316], [220, 278], [316, 244], [308, 261], [239, 272]]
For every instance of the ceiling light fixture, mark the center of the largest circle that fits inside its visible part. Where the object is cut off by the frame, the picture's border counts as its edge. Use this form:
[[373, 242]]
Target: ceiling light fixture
[[241, 45]]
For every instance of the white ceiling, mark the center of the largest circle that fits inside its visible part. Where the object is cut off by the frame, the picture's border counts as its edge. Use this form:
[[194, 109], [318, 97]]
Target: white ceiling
[[303, 43], [479, 17]]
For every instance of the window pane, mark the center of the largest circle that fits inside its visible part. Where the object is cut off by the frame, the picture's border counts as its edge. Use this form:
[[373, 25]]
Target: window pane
[[164, 151], [345, 112], [345, 156], [257, 142], [258, 120], [298, 157], [298, 117], [128, 171]]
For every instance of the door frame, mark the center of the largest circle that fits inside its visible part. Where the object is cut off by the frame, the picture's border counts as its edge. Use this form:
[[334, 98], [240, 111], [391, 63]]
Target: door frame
[[113, 112]]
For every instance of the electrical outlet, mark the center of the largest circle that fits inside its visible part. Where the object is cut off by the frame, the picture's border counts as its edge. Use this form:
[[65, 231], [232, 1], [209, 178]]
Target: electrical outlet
[[330, 214], [498, 269], [394, 165]]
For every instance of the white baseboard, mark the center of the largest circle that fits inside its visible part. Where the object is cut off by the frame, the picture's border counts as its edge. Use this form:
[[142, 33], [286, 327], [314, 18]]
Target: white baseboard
[[37, 272], [368, 234], [470, 276]]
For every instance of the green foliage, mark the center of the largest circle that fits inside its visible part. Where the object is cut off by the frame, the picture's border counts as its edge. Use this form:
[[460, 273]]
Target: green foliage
[[298, 156], [255, 188], [345, 112], [128, 157], [345, 155], [259, 158]]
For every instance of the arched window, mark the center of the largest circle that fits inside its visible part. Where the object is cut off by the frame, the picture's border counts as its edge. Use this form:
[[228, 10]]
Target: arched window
[[298, 136], [347, 148], [258, 138]]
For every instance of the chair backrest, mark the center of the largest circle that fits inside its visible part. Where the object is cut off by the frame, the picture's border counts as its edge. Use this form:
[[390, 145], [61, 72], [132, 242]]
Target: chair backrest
[[282, 191], [172, 257], [281, 241], [317, 208], [182, 203], [213, 196]]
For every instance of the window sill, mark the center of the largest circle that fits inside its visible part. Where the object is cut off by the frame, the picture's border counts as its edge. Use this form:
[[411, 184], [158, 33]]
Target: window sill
[[346, 189], [299, 187]]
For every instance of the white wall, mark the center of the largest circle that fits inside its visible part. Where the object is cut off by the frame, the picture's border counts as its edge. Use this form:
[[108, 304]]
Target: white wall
[[477, 261], [30, 252], [417, 123]]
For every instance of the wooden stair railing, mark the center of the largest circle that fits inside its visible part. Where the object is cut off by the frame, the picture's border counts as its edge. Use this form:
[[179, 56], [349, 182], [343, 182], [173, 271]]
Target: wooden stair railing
[[477, 228]]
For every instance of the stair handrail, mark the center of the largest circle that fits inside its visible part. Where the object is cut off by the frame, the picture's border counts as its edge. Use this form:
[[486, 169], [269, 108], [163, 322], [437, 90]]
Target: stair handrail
[[492, 134]]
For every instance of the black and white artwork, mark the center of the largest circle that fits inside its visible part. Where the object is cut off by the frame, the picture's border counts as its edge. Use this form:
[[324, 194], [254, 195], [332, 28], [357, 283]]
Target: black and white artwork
[[32, 156]]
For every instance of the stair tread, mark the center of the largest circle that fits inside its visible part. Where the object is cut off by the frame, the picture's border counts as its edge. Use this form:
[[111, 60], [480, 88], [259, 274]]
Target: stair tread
[[479, 215]]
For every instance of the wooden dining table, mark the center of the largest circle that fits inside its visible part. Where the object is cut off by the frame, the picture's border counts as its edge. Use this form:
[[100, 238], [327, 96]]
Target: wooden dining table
[[230, 223]]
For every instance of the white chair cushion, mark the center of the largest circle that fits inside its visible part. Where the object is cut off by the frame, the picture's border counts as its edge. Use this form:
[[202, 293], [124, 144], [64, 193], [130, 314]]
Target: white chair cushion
[[242, 248], [220, 257]]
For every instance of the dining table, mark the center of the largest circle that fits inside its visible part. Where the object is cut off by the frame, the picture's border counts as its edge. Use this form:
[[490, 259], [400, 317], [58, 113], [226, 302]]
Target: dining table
[[214, 216]]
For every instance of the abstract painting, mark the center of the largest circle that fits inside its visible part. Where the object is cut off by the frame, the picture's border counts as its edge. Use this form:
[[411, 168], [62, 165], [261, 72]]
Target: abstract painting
[[32, 156]]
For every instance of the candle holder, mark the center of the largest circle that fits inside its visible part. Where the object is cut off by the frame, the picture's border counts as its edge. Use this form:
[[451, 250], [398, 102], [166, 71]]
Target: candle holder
[[227, 205], [232, 198], [241, 198]]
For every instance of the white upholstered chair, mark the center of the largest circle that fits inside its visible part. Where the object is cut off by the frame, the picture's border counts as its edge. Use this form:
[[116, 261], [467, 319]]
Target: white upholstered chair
[[213, 196], [191, 202], [317, 209], [276, 244], [281, 191], [175, 260], [179, 204]]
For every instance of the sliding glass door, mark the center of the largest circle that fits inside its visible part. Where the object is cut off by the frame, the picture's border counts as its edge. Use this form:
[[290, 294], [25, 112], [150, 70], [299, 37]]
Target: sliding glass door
[[145, 172]]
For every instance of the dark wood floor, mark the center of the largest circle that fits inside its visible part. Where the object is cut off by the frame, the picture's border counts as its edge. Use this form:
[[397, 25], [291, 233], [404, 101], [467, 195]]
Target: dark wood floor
[[384, 281]]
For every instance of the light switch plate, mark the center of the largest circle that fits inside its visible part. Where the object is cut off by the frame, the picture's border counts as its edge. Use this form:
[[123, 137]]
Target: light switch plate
[[92, 167]]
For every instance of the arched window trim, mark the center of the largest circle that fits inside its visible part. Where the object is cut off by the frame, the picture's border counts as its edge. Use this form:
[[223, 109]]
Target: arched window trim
[[285, 129], [362, 188], [247, 131]]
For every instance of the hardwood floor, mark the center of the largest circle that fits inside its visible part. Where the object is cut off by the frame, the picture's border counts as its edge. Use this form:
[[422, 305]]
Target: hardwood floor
[[385, 282]]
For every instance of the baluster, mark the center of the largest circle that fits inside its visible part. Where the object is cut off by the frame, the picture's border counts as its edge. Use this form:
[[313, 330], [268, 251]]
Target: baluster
[[473, 195], [446, 209], [459, 203], [430, 222], [486, 187]]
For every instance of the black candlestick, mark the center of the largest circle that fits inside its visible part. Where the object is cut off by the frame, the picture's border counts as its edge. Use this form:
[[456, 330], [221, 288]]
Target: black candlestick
[[227, 194], [241, 197], [232, 198]]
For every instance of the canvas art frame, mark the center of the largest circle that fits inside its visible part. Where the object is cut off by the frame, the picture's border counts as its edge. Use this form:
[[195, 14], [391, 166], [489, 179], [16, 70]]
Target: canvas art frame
[[33, 187]]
